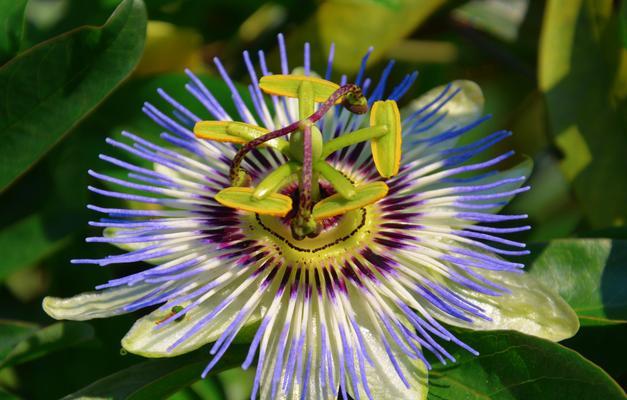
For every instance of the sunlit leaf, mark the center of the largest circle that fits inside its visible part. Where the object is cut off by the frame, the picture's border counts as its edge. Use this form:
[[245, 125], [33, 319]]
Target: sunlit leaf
[[170, 48], [51, 87], [512, 366], [502, 18], [355, 25], [583, 74], [589, 274]]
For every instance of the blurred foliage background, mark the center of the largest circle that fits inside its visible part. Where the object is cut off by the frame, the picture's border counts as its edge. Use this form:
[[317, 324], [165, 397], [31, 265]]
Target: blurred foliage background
[[73, 72]]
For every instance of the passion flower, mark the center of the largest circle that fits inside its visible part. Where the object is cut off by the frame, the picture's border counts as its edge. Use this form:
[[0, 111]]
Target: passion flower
[[343, 232]]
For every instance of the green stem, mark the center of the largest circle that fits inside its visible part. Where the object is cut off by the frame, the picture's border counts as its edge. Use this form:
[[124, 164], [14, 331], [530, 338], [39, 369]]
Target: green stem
[[340, 183], [275, 180], [352, 138]]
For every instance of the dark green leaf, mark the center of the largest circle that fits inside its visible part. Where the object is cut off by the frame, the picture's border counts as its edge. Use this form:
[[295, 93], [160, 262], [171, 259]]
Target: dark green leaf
[[46, 19], [603, 345], [11, 333], [35, 228], [157, 378], [589, 274], [211, 388], [513, 366], [11, 27], [623, 23], [48, 89], [4, 395], [47, 340], [583, 75]]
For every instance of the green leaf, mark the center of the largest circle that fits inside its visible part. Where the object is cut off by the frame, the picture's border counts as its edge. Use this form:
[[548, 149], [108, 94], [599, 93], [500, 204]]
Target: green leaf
[[512, 366], [157, 379], [599, 344], [589, 274], [11, 333], [35, 228], [51, 87], [4, 395], [583, 74], [12, 23], [501, 18], [355, 25], [47, 340]]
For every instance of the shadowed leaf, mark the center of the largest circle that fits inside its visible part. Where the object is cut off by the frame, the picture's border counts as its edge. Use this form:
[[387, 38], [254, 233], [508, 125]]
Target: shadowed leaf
[[512, 366], [48, 89]]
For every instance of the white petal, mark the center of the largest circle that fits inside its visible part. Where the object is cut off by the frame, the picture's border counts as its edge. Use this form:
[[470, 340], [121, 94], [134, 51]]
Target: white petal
[[383, 381], [100, 304], [531, 308], [314, 389], [522, 169], [461, 110], [133, 246], [147, 338]]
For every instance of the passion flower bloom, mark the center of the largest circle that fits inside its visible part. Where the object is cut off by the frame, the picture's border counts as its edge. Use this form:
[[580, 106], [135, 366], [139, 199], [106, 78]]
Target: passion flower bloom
[[341, 234]]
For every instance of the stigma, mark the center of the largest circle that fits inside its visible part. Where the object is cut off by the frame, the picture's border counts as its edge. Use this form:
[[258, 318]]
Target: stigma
[[306, 167]]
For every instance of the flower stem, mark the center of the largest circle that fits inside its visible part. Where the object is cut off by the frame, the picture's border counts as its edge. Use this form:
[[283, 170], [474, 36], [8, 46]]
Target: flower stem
[[354, 137]]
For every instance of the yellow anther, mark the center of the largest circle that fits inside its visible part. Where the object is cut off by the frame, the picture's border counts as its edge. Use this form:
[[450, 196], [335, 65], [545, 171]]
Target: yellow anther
[[386, 150], [242, 198], [337, 204], [289, 86], [234, 132]]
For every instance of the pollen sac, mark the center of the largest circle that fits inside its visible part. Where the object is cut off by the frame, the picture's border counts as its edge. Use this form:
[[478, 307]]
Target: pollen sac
[[242, 198], [386, 150], [338, 205], [357, 104], [289, 86], [234, 132]]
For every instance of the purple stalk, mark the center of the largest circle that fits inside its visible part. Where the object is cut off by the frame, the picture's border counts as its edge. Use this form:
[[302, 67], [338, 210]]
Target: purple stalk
[[305, 191]]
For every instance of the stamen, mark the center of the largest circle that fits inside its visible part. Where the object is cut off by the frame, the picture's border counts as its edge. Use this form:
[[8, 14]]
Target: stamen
[[354, 102]]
